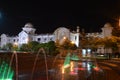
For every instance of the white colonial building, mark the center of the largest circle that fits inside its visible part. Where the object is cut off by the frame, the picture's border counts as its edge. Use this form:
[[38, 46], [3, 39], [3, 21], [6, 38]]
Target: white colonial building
[[28, 34], [106, 32]]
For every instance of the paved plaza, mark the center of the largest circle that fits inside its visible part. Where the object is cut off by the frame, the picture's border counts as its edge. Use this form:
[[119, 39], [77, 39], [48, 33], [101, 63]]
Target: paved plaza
[[76, 70]]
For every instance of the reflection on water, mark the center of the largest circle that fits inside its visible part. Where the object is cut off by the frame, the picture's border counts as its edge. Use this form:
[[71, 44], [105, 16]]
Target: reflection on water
[[73, 69], [79, 70]]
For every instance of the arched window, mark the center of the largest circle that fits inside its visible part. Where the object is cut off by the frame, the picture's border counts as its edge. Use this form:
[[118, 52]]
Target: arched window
[[39, 39]]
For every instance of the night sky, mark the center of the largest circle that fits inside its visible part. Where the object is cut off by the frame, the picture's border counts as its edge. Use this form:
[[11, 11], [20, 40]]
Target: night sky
[[48, 15]]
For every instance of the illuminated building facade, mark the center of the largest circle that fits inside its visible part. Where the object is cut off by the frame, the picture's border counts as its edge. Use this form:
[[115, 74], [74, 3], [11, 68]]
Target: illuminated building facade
[[28, 34]]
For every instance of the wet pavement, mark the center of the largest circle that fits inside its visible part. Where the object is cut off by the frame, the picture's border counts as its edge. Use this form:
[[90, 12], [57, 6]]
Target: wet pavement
[[76, 71], [84, 69]]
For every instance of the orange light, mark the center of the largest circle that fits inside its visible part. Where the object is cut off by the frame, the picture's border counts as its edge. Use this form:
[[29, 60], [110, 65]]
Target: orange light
[[64, 38], [63, 71], [96, 68], [71, 66], [72, 42]]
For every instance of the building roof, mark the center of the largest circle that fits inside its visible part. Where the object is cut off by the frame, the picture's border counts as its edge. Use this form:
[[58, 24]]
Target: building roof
[[28, 25]]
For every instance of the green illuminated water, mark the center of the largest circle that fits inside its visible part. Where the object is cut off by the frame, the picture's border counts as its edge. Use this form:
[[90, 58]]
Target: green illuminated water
[[67, 61], [70, 57], [6, 72], [74, 57]]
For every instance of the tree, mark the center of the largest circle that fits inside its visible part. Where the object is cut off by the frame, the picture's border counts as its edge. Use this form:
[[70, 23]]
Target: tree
[[51, 48], [8, 47], [111, 43], [67, 44], [86, 42], [24, 47], [33, 46], [94, 43], [116, 31]]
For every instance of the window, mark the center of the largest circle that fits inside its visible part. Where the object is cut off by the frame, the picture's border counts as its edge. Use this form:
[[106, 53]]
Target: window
[[23, 38], [45, 39], [75, 37], [38, 39], [50, 39], [13, 40]]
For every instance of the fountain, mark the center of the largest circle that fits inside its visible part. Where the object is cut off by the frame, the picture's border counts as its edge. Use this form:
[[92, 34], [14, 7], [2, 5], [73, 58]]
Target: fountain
[[71, 67], [67, 61], [14, 54], [6, 72], [35, 61], [74, 68], [75, 57]]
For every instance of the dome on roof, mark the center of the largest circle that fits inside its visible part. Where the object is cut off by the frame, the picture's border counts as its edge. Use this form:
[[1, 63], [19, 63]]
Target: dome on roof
[[107, 25], [28, 25]]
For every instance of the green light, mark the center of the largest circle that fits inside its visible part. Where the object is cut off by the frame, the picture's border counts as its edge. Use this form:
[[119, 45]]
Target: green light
[[74, 57], [92, 65], [5, 79], [67, 61], [6, 72]]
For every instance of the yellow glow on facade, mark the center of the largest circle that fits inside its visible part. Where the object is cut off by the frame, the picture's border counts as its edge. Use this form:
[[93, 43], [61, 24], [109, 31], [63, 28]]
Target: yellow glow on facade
[[72, 42], [16, 44], [71, 66], [64, 37], [63, 70]]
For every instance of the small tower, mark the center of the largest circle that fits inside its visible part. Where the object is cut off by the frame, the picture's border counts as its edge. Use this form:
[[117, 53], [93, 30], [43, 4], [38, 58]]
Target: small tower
[[78, 29], [29, 28], [107, 30]]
